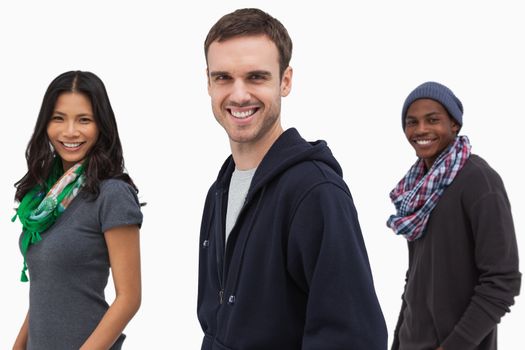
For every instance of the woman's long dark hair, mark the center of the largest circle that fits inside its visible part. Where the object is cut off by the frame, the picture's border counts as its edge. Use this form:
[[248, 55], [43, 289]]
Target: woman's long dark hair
[[104, 160]]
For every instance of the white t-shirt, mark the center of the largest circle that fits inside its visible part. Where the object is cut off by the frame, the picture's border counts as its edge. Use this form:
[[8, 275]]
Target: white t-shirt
[[239, 186]]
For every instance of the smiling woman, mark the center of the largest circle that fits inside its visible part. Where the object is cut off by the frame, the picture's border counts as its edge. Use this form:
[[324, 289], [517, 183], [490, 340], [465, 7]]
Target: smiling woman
[[80, 216], [72, 129]]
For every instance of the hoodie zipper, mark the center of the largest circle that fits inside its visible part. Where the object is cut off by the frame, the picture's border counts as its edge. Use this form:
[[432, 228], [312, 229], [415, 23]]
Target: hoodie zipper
[[220, 247], [242, 242]]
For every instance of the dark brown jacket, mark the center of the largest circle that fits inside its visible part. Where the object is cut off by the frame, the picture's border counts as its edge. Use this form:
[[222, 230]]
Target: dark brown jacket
[[463, 273]]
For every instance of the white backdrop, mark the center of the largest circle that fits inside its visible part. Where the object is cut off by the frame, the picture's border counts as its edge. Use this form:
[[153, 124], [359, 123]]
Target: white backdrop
[[354, 63]]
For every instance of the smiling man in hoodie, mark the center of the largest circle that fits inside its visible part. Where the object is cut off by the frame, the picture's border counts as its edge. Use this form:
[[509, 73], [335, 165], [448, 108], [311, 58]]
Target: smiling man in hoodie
[[282, 262]]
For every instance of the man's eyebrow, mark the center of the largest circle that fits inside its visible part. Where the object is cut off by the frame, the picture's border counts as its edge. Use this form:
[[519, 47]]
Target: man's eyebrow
[[264, 73], [217, 73], [430, 114]]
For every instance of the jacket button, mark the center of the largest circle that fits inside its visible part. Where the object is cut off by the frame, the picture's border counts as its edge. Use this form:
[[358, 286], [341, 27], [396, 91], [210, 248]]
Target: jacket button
[[231, 300], [206, 243]]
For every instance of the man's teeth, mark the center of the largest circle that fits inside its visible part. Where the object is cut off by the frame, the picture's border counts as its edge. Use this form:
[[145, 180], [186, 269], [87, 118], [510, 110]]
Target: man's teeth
[[423, 142], [71, 145], [242, 115]]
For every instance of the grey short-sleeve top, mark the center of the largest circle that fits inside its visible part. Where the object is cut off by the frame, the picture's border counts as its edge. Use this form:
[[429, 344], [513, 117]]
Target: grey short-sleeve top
[[69, 268]]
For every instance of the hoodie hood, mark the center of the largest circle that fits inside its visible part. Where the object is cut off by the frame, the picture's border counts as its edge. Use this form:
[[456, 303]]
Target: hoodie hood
[[288, 150]]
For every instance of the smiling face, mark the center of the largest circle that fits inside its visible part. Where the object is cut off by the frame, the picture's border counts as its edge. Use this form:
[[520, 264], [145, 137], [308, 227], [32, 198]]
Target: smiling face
[[72, 129], [429, 129], [246, 90]]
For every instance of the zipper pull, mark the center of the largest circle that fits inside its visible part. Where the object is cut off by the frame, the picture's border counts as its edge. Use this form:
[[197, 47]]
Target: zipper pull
[[221, 296]]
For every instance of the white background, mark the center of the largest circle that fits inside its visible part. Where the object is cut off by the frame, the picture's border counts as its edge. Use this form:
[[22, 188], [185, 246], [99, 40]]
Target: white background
[[354, 63]]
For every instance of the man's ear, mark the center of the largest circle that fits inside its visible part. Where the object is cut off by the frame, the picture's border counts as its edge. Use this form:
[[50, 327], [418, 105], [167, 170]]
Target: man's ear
[[286, 81], [455, 126]]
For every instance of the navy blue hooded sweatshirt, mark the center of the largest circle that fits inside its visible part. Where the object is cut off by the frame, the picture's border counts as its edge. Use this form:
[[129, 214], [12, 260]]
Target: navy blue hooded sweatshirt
[[295, 272]]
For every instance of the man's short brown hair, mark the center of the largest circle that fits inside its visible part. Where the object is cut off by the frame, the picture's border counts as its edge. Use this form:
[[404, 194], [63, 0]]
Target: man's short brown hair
[[252, 21]]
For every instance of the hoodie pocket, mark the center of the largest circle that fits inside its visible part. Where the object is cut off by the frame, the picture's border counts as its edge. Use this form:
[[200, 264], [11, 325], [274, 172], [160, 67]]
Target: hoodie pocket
[[207, 342], [219, 346]]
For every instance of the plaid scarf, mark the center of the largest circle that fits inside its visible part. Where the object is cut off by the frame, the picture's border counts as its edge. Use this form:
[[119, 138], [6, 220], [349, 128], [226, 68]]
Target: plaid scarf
[[417, 194], [41, 206]]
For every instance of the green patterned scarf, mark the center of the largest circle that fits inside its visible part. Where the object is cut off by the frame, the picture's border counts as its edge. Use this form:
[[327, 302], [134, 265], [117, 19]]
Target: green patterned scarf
[[43, 205]]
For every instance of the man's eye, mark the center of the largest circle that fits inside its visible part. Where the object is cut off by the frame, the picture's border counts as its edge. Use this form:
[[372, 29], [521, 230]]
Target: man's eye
[[221, 77], [256, 77]]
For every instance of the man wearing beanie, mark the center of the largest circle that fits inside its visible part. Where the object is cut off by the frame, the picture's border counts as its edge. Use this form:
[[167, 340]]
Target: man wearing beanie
[[453, 210]]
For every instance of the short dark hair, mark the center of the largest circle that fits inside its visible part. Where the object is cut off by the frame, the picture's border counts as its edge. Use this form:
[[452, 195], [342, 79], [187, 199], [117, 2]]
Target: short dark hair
[[105, 159], [252, 21]]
